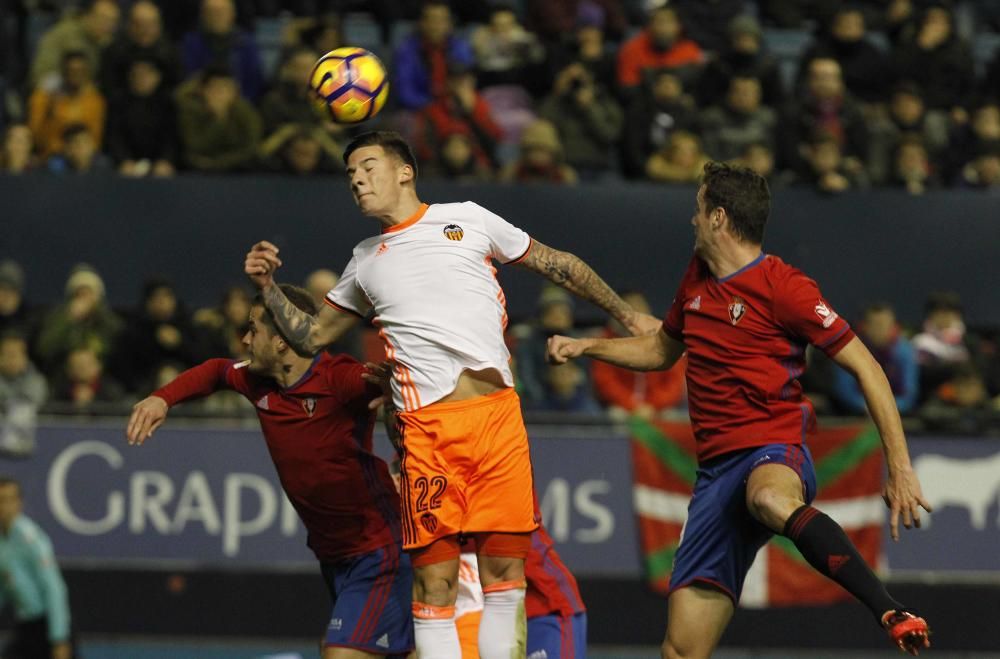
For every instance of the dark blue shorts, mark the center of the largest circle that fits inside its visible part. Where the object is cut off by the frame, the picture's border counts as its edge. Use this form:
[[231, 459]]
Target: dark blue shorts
[[720, 538], [372, 596], [557, 637]]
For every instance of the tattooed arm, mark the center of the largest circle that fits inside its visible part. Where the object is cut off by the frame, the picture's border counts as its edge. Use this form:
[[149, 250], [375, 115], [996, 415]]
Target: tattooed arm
[[570, 272], [306, 334]]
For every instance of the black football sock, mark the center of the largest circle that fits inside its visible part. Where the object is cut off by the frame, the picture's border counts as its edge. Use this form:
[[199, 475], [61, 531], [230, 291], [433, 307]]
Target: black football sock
[[828, 549]]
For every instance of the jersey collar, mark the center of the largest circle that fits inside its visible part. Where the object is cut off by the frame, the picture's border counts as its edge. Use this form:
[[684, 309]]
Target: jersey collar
[[408, 222], [752, 264], [305, 376]]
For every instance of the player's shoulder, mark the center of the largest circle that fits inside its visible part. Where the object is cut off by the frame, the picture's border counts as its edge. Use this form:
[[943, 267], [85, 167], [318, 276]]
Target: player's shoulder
[[28, 531], [468, 211], [779, 273], [335, 362]]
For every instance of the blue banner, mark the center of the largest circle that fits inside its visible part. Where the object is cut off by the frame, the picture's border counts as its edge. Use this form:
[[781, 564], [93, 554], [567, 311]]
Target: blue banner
[[210, 495], [206, 494]]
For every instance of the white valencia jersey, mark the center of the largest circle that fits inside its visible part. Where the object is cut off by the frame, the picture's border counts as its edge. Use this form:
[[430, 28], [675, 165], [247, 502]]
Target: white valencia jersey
[[438, 305]]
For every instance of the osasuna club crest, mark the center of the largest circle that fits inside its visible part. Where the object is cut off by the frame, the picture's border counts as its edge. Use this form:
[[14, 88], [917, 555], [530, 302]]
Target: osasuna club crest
[[737, 309], [309, 405], [453, 232]]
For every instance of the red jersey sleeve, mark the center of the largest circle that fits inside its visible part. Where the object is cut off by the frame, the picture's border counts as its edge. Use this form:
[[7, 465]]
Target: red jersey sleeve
[[800, 308], [344, 377], [202, 380], [673, 324]]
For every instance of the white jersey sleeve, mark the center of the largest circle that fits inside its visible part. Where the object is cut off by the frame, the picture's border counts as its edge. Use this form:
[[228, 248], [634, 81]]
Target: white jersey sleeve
[[510, 244], [348, 295]]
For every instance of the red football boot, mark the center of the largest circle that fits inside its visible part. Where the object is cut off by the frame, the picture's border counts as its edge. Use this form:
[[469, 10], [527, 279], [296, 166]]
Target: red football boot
[[907, 630]]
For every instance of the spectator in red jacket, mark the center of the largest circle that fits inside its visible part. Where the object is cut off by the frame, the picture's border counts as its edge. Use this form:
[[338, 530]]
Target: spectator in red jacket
[[461, 110], [646, 394], [660, 45]]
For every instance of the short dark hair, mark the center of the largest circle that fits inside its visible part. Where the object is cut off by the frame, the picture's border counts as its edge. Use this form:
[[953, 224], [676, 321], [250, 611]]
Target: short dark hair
[[73, 130], [942, 301], [217, 69], [300, 297], [744, 195], [879, 306], [390, 141], [74, 54]]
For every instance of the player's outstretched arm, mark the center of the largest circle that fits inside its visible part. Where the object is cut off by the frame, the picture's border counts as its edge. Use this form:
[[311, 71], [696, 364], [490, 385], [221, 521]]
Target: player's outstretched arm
[[573, 274], [902, 492], [147, 415], [306, 334], [650, 352]]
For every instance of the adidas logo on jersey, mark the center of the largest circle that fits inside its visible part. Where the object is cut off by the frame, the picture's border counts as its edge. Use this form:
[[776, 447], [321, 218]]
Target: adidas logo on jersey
[[695, 303], [539, 654], [382, 249], [262, 403], [383, 641]]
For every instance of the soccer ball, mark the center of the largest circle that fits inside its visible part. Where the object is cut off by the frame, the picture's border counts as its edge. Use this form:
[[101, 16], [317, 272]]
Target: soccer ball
[[351, 83]]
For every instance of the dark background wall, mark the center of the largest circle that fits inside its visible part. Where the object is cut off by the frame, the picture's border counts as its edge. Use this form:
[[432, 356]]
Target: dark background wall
[[859, 246]]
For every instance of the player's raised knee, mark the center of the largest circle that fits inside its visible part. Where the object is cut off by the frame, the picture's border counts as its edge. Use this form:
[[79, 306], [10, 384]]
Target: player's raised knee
[[769, 506], [671, 650]]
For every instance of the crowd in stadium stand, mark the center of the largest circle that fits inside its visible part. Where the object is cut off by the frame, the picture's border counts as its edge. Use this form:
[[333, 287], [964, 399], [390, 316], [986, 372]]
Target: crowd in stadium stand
[[80, 356], [833, 95]]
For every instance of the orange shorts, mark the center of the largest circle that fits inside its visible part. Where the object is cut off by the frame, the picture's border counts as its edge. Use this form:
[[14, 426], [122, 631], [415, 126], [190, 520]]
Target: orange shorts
[[466, 468]]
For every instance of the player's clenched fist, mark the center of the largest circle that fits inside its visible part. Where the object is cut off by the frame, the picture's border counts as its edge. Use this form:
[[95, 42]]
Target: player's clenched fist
[[562, 348], [261, 262]]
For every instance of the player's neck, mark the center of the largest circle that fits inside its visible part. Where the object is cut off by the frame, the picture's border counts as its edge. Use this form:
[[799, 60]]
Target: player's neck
[[408, 206], [731, 258], [291, 370]]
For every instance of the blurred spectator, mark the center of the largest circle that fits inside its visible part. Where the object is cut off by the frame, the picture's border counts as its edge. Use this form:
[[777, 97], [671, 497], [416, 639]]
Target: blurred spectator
[[301, 150], [652, 116], [15, 315], [706, 22], [759, 158], [83, 381], [74, 100], [623, 391], [941, 346], [82, 320], [456, 160], [320, 34], [587, 48], [744, 56], [991, 80], [959, 405], [460, 110], [320, 282], [88, 33], [825, 167], [220, 42], [566, 390], [555, 316], [160, 331], [540, 159], [983, 171], [864, 66], [552, 20], [826, 107], [223, 327], [588, 119], [907, 116], [880, 332], [740, 121], [935, 55], [291, 101], [33, 585], [660, 44], [182, 16], [22, 391], [912, 169], [142, 39], [219, 130], [16, 156], [421, 61], [976, 137], [680, 160], [506, 53], [80, 154], [142, 123]]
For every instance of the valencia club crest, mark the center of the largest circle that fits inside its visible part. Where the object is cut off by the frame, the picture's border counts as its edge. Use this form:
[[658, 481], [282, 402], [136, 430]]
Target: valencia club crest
[[453, 232], [737, 309]]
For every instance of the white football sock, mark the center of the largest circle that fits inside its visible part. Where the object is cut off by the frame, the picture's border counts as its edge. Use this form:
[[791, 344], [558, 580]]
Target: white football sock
[[503, 631], [435, 632]]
